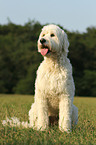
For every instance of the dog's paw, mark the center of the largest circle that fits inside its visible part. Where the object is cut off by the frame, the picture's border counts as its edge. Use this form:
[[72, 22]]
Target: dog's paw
[[65, 126], [42, 127], [68, 130]]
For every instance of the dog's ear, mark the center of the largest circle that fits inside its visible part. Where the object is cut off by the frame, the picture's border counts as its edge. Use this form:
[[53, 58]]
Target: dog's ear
[[65, 42]]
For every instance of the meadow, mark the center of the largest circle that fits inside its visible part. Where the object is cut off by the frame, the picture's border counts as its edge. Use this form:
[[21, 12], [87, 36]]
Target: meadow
[[18, 105]]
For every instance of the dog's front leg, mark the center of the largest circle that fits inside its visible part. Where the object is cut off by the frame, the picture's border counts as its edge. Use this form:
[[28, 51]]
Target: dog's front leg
[[65, 113], [43, 119]]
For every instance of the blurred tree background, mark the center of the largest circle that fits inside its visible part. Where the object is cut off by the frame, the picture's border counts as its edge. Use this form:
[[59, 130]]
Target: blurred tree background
[[19, 58]]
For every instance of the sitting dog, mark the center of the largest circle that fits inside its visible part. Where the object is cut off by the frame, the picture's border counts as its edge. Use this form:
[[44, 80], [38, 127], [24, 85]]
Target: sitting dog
[[54, 86]]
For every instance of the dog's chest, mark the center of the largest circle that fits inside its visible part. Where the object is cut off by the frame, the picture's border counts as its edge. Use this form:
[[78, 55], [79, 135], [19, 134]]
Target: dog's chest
[[51, 80]]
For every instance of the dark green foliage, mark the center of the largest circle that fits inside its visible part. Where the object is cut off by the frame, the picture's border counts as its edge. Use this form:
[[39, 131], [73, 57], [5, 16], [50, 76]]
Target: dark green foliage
[[19, 58]]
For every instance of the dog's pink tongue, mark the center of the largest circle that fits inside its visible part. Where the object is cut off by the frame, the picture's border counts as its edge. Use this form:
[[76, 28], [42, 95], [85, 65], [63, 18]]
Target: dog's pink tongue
[[44, 51]]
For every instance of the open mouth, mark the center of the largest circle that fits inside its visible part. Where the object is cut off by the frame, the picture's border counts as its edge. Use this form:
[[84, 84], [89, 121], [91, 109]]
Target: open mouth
[[45, 50]]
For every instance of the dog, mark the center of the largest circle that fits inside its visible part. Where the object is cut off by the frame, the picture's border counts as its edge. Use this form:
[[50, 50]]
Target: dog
[[54, 86]]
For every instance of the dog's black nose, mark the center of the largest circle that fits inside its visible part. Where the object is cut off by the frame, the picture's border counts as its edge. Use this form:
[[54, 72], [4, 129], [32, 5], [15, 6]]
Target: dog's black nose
[[42, 40]]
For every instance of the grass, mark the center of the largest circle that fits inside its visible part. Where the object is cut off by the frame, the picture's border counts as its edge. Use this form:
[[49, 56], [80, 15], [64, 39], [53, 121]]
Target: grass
[[18, 105]]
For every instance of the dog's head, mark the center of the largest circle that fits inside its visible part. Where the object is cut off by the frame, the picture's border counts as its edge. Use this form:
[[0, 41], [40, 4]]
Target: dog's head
[[52, 40]]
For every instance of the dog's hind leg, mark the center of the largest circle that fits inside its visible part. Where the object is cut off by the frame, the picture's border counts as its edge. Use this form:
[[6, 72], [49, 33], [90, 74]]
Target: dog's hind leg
[[33, 116], [74, 115]]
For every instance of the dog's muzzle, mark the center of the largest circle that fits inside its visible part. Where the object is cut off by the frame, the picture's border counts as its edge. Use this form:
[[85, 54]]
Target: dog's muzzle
[[44, 47]]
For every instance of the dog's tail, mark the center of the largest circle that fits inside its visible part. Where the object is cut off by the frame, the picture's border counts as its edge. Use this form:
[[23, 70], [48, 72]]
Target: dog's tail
[[15, 122]]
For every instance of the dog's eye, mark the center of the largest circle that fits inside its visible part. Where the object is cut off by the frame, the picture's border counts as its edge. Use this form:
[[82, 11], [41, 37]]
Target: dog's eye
[[52, 35], [43, 35]]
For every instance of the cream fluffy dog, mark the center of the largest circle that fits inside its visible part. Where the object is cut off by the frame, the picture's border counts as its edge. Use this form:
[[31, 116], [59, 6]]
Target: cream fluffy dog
[[54, 86]]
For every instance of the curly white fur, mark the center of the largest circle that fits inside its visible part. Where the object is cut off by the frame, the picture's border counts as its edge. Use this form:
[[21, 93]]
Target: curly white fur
[[54, 86]]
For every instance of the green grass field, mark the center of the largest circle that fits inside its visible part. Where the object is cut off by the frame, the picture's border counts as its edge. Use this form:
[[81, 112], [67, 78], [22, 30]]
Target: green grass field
[[19, 105]]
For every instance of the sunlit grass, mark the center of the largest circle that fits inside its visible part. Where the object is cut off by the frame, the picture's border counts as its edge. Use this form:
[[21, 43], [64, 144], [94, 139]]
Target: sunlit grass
[[19, 105]]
